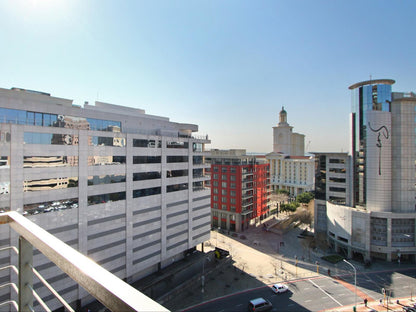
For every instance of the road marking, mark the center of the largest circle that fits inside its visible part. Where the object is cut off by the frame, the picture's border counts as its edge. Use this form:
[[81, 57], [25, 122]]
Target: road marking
[[239, 305], [325, 292]]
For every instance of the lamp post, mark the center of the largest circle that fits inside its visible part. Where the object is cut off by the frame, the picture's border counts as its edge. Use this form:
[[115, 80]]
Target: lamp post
[[203, 275], [355, 280], [296, 257]]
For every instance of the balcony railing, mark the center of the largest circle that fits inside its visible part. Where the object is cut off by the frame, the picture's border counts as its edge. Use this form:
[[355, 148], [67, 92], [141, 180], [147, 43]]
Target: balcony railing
[[110, 290]]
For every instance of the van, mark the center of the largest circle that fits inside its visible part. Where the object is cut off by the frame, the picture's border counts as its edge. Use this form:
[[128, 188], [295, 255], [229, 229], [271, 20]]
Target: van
[[259, 304]]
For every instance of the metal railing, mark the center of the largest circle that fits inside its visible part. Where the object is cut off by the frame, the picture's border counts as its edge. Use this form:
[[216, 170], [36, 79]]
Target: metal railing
[[110, 290]]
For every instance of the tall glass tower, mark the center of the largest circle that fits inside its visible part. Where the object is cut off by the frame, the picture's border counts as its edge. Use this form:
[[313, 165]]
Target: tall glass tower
[[371, 95]]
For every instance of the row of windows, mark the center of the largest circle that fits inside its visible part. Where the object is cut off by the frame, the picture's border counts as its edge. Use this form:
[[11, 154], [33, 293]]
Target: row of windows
[[224, 199], [157, 190], [223, 192], [224, 177], [65, 182], [70, 161], [225, 169], [69, 139], [224, 184], [22, 117]]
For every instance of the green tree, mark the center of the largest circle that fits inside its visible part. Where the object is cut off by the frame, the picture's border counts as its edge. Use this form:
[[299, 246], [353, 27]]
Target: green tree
[[285, 192], [305, 197], [291, 207]]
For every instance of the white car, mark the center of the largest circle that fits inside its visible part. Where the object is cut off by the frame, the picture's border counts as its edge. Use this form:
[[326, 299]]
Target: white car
[[279, 288]]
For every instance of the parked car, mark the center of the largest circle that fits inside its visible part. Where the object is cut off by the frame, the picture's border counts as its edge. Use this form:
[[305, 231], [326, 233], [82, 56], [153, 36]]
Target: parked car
[[279, 288], [259, 304]]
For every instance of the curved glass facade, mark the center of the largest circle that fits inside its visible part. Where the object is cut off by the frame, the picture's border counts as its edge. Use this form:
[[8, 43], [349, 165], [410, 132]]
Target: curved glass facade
[[365, 97]]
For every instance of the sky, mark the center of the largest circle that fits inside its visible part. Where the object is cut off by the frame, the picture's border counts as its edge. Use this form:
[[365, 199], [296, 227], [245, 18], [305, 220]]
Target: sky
[[228, 66]]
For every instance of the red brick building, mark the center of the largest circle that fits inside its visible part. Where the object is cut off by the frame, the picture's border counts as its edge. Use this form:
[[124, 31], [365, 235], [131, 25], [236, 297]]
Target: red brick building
[[240, 189]]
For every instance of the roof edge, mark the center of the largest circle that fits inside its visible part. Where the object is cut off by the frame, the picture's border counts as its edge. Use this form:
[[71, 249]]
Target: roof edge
[[370, 82]]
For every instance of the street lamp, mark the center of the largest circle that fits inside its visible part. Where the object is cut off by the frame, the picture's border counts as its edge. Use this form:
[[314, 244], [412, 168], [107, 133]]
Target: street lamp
[[355, 280], [203, 275], [296, 257]]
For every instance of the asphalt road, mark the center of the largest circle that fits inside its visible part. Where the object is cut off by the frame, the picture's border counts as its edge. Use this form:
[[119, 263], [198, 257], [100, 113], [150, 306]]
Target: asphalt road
[[320, 293]]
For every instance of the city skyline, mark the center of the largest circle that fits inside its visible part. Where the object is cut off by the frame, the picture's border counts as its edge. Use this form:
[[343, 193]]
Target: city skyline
[[228, 67]]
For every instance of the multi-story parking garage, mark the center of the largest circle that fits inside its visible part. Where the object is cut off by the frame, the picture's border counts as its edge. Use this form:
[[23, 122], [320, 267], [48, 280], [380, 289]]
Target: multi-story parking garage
[[125, 188]]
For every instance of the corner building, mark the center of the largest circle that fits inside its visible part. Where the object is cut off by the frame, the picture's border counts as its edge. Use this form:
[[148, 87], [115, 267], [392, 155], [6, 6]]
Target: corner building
[[125, 188], [379, 218], [240, 189]]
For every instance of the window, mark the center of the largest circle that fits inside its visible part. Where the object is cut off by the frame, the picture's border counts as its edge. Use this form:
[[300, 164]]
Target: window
[[215, 183], [176, 187], [197, 173], [176, 159], [215, 205], [49, 206], [175, 144], [233, 169], [215, 190], [48, 138], [104, 160], [147, 192], [107, 141], [224, 177], [336, 161], [232, 193], [224, 184], [146, 160], [176, 173], [224, 192], [224, 199], [49, 161], [215, 198], [224, 207], [104, 198], [146, 143], [49, 184], [223, 169], [215, 169], [232, 177], [337, 189], [232, 185], [197, 160], [216, 176], [139, 176], [233, 201], [106, 179]]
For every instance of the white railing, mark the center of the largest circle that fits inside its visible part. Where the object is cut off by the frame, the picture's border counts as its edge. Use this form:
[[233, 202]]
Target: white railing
[[110, 290]]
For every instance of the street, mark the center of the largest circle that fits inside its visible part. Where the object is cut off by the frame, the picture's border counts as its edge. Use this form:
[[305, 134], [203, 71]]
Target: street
[[321, 293]]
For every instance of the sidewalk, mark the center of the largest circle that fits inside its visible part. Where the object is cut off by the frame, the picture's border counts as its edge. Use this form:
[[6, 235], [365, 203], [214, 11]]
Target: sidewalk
[[384, 305]]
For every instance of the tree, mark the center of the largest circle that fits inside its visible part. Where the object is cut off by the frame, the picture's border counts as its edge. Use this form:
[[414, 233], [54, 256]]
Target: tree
[[305, 197], [291, 207], [285, 192]]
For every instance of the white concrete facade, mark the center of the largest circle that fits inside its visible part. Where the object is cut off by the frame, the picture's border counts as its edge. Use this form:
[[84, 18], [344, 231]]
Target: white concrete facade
[[295, 174], [131, 196]]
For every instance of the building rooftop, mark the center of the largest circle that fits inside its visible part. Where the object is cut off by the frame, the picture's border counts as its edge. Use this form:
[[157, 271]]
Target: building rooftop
[[371, 82]]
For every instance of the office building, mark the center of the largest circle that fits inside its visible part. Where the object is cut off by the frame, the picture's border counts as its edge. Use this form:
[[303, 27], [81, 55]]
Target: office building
[[290, 168], [378, 220], [125, 188], [240, 190]]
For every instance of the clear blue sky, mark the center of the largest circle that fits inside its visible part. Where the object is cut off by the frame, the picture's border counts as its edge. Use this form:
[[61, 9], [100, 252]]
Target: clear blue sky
[[228, 66]]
